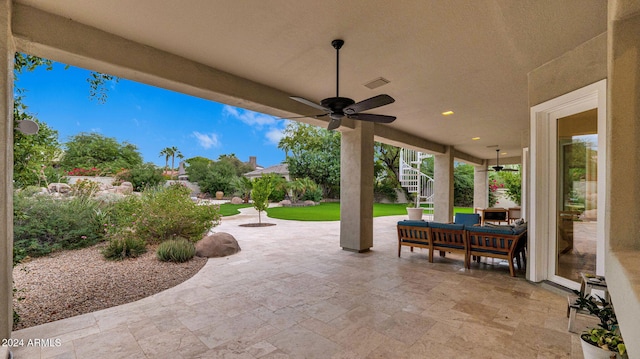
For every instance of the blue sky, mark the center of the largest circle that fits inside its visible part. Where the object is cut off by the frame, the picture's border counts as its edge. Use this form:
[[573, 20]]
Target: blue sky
[[150, 118]]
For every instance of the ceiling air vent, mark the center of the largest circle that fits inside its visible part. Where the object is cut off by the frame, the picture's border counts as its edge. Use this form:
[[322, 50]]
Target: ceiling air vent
[[380, 81]]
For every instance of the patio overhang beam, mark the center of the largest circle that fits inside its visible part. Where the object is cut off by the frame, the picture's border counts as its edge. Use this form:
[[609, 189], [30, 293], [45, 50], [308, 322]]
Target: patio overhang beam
[[399, 138], [467, 158], [43, 34]]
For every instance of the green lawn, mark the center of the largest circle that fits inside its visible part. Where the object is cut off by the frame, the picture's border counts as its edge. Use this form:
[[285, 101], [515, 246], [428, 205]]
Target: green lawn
[[330, 211], [228, 209]]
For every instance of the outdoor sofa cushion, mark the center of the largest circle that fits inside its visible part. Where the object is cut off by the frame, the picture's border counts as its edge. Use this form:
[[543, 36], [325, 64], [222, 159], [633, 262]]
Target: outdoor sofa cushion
[[468, 219], [415, 223]]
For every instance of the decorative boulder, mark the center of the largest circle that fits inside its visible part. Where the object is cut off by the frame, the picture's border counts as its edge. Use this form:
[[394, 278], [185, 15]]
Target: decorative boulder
[[236, 200], [105, 186], [124, 188], [309, 203], [217, 245], [285, 202], [62, 188]]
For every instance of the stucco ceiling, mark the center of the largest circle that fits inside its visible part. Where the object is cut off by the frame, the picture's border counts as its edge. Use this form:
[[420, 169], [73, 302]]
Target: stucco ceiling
[[468, 56]]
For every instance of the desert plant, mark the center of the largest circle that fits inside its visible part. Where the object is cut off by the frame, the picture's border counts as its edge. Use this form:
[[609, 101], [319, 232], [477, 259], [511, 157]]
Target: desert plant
[[166, 213], [176, 250], [124, 247], [300, 186], [43, 224], [85, 188], [607, 336], [243, 186]]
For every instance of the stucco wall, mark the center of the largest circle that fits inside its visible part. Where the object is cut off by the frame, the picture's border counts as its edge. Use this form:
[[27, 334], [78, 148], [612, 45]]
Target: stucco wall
[[584, 65]]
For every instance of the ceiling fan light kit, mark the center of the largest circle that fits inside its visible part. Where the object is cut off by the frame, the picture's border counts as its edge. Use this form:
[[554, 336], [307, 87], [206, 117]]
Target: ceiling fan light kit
[[338, 107]]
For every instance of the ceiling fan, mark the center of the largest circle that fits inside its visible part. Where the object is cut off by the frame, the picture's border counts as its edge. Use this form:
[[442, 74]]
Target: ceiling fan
[[338, 107], [499, 168]]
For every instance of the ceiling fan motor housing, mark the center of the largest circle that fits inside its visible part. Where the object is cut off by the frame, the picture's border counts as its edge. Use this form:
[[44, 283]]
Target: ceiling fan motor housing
[[337, 104]]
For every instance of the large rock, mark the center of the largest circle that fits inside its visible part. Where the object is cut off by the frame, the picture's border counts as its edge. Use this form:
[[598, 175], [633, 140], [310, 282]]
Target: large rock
[[217, 245], [236, 200], [62, 188], [124, 188], [285, 202]]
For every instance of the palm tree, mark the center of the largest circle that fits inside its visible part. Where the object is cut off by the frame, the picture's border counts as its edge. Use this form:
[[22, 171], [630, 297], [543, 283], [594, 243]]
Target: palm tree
[[174, 152], [167, 152]]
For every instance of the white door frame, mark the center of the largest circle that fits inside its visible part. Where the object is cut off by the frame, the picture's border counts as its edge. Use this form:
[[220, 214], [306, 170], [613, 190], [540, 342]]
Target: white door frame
[[543, 150]]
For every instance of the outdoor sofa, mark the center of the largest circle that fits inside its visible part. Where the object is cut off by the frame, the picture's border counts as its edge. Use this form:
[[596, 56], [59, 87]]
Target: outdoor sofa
[[471, 240]]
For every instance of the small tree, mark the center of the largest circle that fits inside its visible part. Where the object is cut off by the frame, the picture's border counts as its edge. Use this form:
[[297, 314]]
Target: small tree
[[513, 183], [262, 188]]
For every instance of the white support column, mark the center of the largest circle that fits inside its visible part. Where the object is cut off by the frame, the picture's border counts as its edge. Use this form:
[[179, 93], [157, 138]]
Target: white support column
[[622, 244], [356, 188], [6, 169], [443, 173], [480, 186]]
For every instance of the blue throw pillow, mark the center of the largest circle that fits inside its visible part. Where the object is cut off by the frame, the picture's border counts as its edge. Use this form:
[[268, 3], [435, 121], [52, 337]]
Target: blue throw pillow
[[468, 219]]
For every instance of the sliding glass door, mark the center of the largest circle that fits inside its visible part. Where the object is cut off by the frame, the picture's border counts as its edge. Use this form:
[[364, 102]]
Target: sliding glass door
[[575, 248]]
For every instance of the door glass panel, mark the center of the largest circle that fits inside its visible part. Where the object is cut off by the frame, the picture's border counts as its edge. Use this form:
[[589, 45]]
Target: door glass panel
[[577, 195]]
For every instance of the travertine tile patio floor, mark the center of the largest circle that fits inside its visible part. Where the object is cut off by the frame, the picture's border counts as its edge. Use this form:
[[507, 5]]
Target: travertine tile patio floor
[[292, 292]]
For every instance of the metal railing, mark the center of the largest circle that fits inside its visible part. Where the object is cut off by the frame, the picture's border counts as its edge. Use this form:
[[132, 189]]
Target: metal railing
[[415, 181]]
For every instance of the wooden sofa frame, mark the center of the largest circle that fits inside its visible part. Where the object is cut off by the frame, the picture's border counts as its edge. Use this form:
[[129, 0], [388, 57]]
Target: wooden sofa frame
[[445, 238], [496, 243], [472, 241], [414, 236]]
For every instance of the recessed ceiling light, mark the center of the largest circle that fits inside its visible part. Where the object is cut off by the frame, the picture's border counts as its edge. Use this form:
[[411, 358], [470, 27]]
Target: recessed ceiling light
[[503, 153], [447, 113], [475, 138]]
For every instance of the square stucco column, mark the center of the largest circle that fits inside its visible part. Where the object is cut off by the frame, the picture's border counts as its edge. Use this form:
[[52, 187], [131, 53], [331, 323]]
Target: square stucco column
[[6, 169], [480, 186], [443, 186], [622, 227], [356, 188]]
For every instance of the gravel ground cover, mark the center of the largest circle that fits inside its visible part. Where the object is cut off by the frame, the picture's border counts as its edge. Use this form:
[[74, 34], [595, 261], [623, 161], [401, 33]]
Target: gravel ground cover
[[71, 283]]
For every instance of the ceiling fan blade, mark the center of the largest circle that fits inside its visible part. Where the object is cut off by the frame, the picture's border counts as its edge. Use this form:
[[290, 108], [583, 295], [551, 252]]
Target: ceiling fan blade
[[369, 104], [334, 123], [309, 103], [372, 118], [510, 169], [312, 116]]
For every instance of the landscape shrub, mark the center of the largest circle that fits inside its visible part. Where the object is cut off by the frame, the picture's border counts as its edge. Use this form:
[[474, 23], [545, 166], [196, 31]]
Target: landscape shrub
[[385, 189], [168, 212], [141, 177], [176, 250], [126, 245], [313, 194], [277, 195], [43, 224]]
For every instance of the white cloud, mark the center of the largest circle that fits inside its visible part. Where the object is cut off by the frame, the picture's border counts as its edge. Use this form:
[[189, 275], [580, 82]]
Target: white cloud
[[207, 140], [96, 129], [274, 135], [251, 118]]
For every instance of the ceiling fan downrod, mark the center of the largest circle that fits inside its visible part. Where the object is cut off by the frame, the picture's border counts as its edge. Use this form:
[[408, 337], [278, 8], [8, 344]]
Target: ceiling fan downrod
[[337, 44]]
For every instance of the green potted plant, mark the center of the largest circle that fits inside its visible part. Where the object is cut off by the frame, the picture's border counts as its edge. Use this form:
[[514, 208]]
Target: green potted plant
[[604, 341]]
